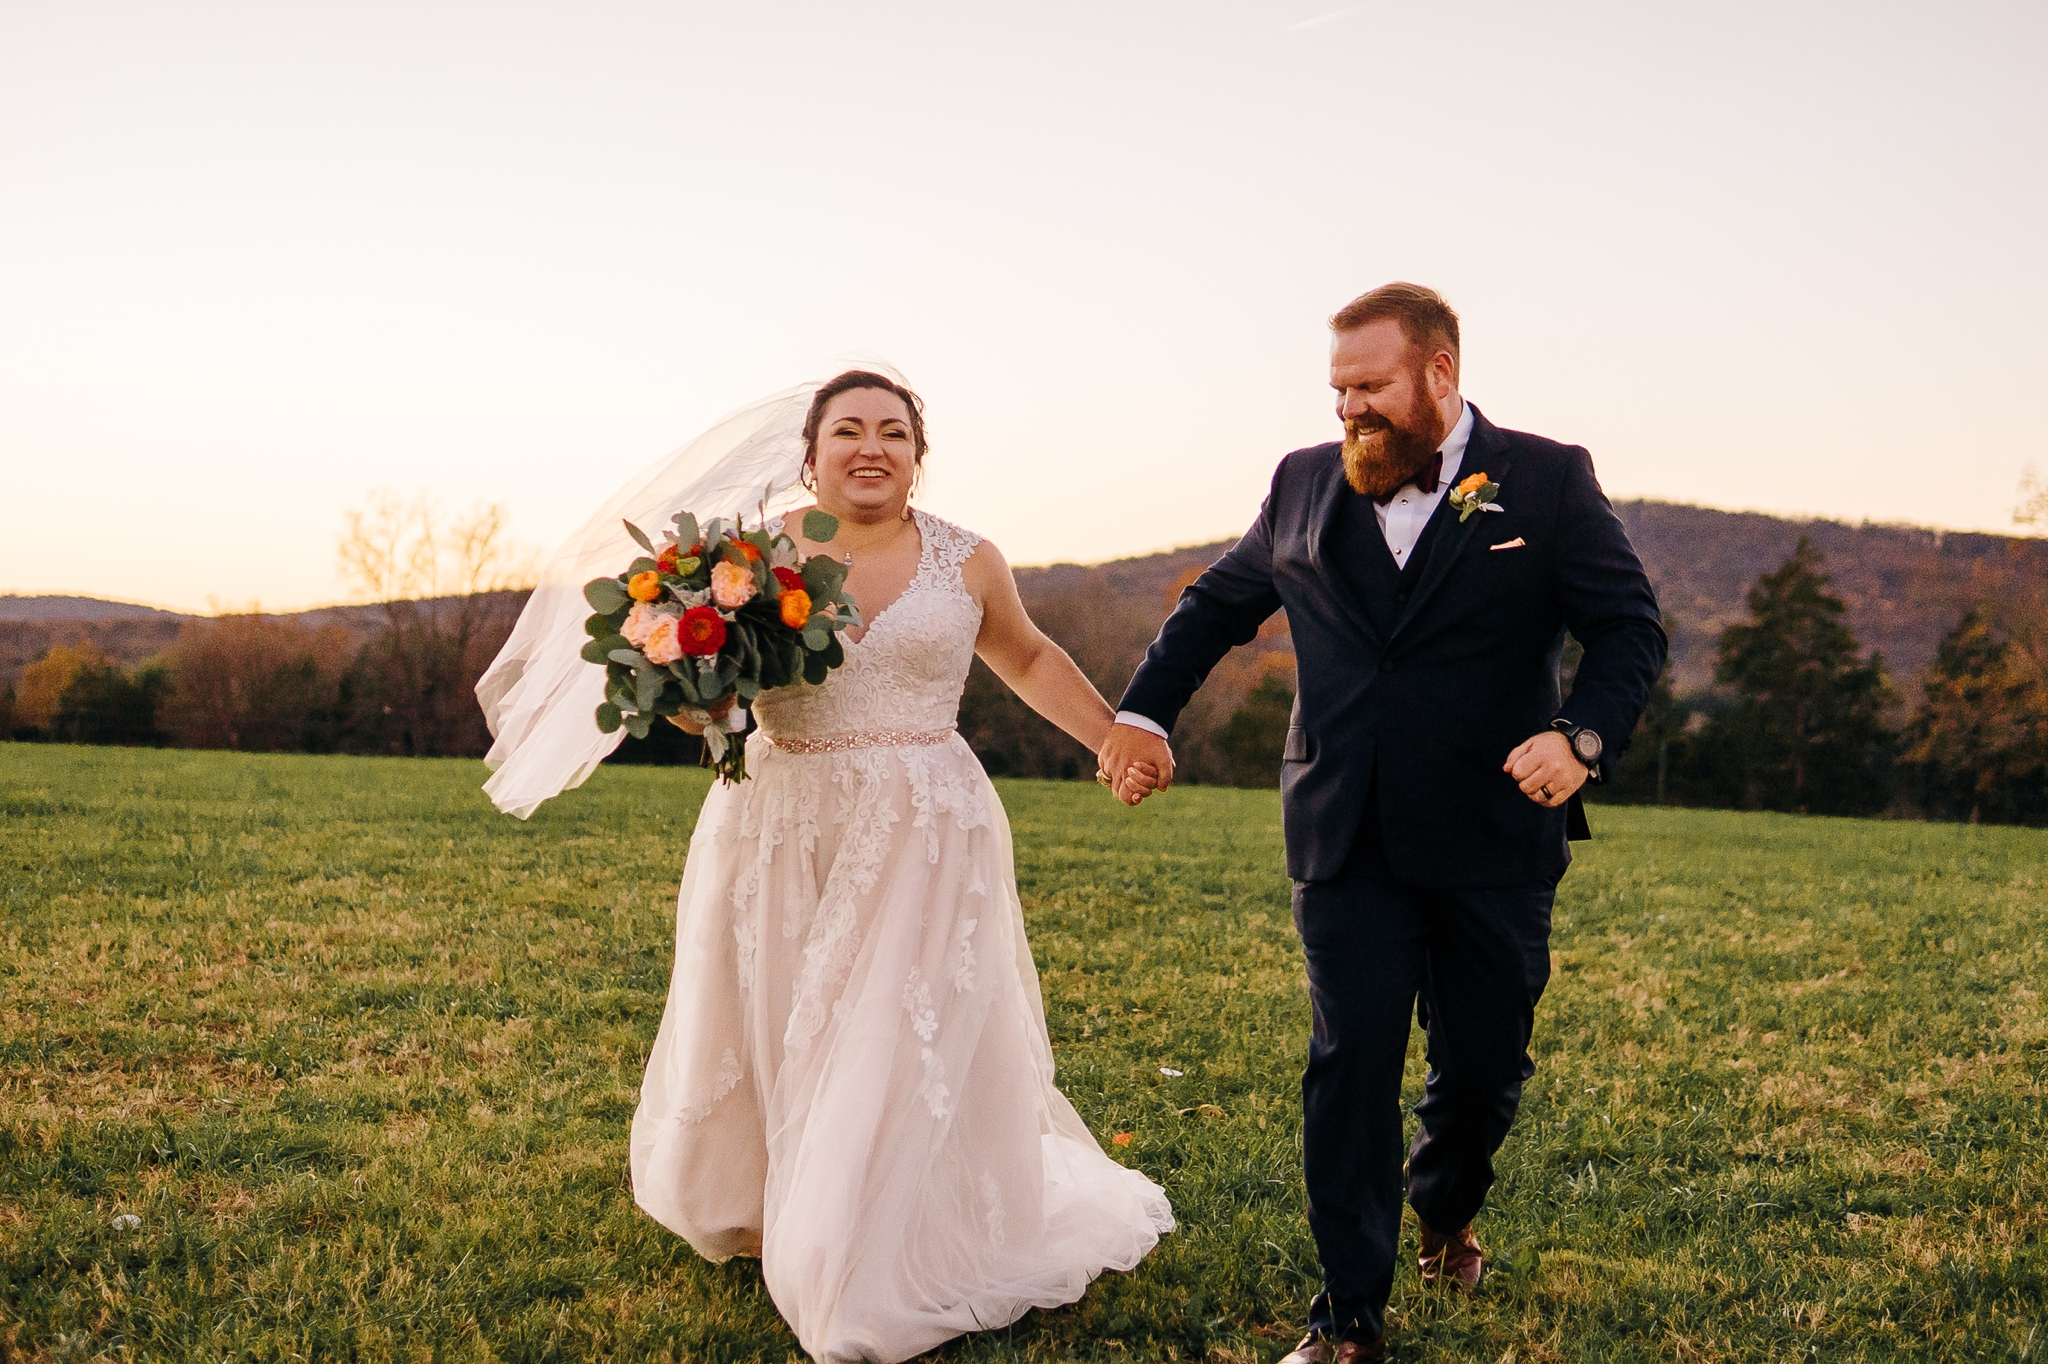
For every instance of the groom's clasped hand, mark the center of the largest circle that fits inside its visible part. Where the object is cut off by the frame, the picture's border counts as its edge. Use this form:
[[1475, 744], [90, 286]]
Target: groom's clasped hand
[[1134, 763]]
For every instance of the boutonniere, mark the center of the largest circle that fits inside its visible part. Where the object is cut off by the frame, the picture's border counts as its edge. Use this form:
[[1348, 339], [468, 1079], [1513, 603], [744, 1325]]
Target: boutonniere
[[1475, 494]]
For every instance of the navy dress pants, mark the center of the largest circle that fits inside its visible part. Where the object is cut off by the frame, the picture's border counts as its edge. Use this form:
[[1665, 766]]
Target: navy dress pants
[[1470, 964]]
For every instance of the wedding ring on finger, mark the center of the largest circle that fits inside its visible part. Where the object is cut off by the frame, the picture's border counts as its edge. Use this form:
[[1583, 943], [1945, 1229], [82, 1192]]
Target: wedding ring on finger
[[1103, 777], [1546, 793]]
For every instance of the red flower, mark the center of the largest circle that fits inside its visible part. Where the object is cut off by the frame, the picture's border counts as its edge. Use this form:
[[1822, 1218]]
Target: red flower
[[791, 580], [702, 631], [666, 560]]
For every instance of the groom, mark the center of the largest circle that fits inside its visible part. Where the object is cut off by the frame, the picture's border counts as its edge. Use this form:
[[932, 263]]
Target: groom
[[1430, 564]]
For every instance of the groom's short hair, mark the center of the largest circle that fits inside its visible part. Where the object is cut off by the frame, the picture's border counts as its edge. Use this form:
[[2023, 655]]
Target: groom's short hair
[[1426, 320]]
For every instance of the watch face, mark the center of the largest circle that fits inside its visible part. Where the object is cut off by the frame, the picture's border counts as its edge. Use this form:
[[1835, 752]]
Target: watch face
[[1586, 744]]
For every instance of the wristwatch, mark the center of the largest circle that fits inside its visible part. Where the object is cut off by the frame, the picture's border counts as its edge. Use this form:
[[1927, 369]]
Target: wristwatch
[[1586, 745]]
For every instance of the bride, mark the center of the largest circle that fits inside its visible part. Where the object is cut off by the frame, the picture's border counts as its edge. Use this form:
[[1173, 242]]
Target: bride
[[852, 1079]]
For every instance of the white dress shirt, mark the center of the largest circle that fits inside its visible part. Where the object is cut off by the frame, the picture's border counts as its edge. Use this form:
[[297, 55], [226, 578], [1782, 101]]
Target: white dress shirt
[[1401, 521]]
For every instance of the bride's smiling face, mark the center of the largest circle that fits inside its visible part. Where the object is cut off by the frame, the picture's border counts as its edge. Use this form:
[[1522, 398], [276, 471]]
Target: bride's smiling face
[[866, 455]]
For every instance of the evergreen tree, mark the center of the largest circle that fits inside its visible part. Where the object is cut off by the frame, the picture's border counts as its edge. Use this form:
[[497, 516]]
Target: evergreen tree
[[1254, 737], [1977, 748], [102, 704], [1806, 730]]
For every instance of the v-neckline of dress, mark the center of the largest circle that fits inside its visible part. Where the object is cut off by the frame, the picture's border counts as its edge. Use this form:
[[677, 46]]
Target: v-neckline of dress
[[924, 545]]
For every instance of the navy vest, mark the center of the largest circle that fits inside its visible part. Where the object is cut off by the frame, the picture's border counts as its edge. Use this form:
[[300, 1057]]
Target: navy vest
[[1366, 565]]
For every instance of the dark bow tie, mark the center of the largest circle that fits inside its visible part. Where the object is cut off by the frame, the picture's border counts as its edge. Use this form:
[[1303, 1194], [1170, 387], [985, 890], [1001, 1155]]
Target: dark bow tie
[[1425, 482]]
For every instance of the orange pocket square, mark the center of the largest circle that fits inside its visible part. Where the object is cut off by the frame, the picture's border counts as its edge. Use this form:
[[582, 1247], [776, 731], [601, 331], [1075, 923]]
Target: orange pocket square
[[1517, 543]]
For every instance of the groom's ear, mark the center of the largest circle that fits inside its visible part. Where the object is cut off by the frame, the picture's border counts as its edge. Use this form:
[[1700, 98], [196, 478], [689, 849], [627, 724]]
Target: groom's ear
[[1441, 374]]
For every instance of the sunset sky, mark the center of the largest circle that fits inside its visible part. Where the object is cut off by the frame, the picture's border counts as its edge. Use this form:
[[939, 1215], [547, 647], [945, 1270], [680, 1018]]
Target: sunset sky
[[258, 259]]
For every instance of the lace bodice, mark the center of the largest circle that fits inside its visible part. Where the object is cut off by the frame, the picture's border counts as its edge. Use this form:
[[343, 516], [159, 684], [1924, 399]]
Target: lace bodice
[[906, 672]]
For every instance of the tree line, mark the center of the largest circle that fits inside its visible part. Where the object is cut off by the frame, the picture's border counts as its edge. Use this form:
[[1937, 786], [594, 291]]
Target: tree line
[[264, 683], [1799, 718]]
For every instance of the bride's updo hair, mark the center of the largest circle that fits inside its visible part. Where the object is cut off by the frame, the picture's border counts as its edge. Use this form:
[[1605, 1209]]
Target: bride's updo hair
[[847, 383]]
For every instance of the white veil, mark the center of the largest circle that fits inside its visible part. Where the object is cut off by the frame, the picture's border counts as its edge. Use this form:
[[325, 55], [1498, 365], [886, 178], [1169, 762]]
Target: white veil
[[539, 696]]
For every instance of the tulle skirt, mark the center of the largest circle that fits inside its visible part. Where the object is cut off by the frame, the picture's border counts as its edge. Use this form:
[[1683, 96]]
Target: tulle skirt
[[852, 1077]]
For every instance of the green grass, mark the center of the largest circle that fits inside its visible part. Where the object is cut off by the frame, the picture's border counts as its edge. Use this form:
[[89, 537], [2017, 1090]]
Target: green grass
[[360, 1054]]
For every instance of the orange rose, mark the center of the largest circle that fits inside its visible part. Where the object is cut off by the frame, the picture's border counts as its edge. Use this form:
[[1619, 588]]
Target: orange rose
[[796, 607], [747, 551], [1471, 484], [644, 586]]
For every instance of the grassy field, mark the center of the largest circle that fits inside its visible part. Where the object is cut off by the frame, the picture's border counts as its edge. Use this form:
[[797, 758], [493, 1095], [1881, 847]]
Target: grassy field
[[318, 1058]]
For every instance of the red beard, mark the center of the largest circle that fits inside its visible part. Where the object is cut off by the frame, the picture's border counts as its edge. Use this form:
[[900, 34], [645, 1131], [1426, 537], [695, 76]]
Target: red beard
[[1380, 456]]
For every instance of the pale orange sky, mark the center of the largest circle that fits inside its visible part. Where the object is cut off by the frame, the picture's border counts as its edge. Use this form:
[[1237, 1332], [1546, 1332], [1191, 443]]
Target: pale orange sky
[[256, 260]]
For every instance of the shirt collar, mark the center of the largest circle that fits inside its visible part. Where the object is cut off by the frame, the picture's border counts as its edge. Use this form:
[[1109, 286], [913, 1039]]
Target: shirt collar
[[1453, 448]]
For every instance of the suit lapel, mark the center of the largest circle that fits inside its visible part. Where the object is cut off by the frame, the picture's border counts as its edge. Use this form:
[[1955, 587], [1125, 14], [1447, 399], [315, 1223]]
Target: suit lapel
[[1485, 452], [1322, 518]]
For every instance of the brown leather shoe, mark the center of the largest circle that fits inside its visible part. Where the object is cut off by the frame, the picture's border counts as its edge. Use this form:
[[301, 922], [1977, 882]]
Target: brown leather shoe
[[1316, 1349], [1453, 1261]]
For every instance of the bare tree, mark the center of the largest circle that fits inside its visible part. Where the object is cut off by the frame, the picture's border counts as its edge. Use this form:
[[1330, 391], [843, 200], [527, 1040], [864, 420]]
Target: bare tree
[[449, 588], [2033, 505]]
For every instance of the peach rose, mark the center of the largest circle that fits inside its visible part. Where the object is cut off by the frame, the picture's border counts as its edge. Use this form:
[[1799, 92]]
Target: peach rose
[[663, 645], [644, 586], [731, 585], [1471, 484], [796, 608], [640, 623]]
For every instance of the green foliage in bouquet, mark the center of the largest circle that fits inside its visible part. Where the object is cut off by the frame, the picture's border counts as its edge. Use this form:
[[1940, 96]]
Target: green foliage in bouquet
[[706, 622]]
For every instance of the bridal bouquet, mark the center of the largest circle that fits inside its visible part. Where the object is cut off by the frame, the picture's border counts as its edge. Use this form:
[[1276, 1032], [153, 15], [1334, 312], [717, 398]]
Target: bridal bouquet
[[710, 620]]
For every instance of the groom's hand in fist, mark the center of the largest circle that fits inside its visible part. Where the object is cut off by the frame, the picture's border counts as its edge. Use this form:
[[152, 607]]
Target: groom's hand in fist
[[1136, 761], [1546, 769]]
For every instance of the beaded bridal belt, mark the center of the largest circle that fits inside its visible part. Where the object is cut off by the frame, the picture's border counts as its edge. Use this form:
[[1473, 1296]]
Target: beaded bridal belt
[[865, 738]]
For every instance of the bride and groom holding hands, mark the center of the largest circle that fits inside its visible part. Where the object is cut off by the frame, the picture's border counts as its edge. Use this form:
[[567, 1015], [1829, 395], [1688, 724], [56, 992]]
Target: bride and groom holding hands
[[853, 1080]]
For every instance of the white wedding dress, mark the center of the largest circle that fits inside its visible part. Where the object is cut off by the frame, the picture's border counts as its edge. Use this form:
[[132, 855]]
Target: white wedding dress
[[852, 1078]]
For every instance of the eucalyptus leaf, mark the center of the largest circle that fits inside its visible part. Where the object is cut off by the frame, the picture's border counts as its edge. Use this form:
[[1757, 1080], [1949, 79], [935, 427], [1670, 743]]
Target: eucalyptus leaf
[[600, 625], [638, 726], [820, 526], [643, 564], [686, 529], [632, 658], [815, 668], [815, 637], [608, 718], [835, 652], [606, 596], [639, 537], [646, 691], [748, 688], [823, 577], [595, 652]]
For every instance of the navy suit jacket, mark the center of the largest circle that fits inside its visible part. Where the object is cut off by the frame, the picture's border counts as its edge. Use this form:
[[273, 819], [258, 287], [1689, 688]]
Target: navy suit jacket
[[1429, 708]]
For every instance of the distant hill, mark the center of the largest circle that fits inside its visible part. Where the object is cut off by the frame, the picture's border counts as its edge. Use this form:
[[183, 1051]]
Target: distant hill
[[1905, 587], [17, 608]]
